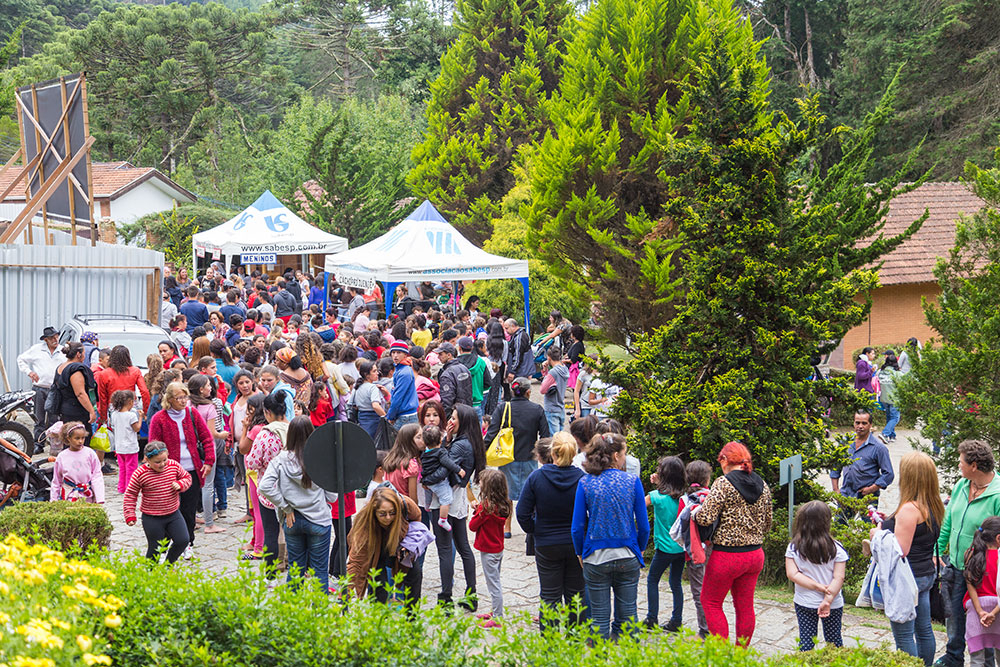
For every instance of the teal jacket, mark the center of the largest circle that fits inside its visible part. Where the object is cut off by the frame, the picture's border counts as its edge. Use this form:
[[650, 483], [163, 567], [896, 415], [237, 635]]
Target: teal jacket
[[962, 518]]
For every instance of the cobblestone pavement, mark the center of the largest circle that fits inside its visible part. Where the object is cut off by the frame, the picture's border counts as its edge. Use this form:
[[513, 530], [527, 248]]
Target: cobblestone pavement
[[776, 632]]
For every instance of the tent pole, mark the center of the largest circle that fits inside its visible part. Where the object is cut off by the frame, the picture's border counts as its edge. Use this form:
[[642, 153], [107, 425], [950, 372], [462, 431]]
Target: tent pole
[[527, 305], [390, 292], [326, 292]]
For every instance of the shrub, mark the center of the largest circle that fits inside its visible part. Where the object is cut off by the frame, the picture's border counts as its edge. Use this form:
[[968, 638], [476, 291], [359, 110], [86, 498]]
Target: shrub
[[53, 610], [70, 526], [832, 656]]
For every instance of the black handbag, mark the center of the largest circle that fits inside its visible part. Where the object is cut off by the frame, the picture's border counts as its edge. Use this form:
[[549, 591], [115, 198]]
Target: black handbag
[[385, 435], [939, 610]]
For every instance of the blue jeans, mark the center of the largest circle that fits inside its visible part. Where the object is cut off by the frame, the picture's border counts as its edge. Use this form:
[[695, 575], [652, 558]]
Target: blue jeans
[[916, 637], [620, 576], [556, 421], [403, 420], [308, 546], [517, 473], [660, 563], [955, 650], [225, 476], [891, 419]]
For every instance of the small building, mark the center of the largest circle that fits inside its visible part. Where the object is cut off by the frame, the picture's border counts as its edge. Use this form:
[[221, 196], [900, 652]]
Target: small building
[[907, 273], [123, 193]]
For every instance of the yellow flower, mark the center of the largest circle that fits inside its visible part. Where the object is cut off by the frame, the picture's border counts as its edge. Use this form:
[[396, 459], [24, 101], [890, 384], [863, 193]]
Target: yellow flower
[[22, 661], [84, 642], [91, 659], [4, 618], [112, 620]]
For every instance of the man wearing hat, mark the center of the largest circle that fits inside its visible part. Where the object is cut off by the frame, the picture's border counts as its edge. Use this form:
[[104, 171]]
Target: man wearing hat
[[477, 369], [39, 362], [403, 401]]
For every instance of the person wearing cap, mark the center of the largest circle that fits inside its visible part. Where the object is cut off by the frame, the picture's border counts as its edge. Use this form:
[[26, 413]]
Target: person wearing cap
[[39, 362], [453, 378], [529, 424], [403, 401], [477, 369]]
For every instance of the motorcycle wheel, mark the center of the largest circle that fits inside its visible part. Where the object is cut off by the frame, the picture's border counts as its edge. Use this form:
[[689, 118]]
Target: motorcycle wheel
[[18, 435]]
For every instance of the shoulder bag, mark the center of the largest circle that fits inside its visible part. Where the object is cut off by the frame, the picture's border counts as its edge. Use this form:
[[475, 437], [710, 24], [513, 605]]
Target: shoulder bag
[[501, 451]]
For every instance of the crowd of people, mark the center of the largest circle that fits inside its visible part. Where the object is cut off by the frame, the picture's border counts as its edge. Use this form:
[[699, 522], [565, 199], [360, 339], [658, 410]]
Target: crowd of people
[[234, 392]]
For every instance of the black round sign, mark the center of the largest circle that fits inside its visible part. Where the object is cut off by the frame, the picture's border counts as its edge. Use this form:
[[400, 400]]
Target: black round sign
[[323, 454]]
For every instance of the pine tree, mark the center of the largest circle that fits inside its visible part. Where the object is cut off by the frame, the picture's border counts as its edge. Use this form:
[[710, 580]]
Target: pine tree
[[771, 264], [489, 100], [954, 387]]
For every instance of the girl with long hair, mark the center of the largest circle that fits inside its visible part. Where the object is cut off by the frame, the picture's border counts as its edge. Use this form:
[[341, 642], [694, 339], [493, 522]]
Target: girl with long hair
[[302, 505], [270, 440], [981, 604], [402, 462], [376, 538], [244, 387], [253, 420], [487, 523], [670, 481], [205, 401], [816, 564], [916, 523]]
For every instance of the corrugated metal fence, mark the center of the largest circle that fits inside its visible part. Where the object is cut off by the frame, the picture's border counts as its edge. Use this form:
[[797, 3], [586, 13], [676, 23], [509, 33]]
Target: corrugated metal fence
[[46, 285]]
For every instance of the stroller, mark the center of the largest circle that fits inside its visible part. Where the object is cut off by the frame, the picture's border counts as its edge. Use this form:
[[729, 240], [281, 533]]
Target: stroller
[[540, 349], [20, 478]]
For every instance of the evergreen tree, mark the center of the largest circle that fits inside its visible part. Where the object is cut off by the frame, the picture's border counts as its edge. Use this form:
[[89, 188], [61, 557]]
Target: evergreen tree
[[771, 263], [955, 383], [489, 100], [597, 214]]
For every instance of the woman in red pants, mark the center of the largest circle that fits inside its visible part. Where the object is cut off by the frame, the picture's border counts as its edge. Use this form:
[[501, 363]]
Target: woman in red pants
[[741, 503]]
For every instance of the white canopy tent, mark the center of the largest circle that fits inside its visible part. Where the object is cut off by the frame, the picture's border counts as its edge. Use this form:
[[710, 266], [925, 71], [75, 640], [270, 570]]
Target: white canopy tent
[[422, 247], [263, 230]]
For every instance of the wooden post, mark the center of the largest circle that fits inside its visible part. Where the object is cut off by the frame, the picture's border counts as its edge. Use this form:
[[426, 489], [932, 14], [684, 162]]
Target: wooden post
[[90, 177], [41, 164], [24, 152], [69, 184]]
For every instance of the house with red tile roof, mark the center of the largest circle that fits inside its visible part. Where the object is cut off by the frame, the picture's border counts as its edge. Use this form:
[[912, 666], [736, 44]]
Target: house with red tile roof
[[122, 193], [906, 275]]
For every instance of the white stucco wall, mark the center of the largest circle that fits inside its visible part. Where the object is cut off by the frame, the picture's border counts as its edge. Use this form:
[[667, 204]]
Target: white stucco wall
[[152, 196]]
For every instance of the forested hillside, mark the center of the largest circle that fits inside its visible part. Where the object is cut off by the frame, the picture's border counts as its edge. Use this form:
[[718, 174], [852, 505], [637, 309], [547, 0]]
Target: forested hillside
[[233, 97]]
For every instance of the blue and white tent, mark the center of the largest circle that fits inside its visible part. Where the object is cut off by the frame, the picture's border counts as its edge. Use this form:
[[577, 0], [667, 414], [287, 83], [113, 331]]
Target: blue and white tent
[[263, 228], [424, 246]]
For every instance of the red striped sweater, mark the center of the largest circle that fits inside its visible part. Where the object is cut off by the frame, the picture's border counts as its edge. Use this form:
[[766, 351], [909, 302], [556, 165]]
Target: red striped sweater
[[158, 498]]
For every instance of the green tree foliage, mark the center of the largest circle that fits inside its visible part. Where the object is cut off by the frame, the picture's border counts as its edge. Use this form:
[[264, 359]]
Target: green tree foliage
[[159, 76], [7, 51], [509, 238], [597, 214], [947, 52], [489, 100], [955, 384], [360, 159], [43, 20], [771, 265]]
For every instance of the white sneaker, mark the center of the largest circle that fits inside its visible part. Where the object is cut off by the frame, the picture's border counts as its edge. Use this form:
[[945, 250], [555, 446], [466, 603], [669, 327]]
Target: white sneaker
[[188, 553], [885, 440]]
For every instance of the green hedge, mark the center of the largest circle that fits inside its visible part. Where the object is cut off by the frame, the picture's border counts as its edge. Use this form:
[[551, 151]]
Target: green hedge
[[125, 611], [70, 526]]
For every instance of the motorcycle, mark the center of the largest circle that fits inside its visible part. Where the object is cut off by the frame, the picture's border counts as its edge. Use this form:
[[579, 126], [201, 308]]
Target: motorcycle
[[12, 430]]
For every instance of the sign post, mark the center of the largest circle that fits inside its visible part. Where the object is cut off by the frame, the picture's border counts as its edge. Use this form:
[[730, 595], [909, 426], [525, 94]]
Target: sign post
[[340, 457], [791, 470]]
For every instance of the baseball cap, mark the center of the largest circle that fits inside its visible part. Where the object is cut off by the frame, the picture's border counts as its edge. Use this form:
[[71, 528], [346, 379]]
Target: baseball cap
[[447, 347], [466, 343]]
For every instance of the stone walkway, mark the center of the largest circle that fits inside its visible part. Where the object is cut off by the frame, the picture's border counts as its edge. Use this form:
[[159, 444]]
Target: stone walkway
[[777, 631]]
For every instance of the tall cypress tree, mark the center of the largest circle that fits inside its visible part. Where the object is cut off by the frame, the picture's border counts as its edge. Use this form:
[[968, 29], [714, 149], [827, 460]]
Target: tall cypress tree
[[490, 99], [597, 213]]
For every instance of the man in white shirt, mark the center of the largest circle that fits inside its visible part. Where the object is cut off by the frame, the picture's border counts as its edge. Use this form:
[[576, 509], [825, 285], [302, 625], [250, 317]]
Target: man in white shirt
[[39, 362]]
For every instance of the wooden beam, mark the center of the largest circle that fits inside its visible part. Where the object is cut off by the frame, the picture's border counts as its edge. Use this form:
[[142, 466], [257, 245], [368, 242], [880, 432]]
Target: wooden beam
[[48, 186], [48, 147], [90, 171], [41, 164], [14, 158], [66, 143], [17, 179]]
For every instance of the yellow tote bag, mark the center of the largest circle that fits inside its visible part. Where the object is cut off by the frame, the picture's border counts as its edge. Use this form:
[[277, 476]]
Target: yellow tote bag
[[501, 452]]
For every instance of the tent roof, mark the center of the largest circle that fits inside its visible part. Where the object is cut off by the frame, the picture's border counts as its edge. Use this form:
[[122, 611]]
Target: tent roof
[[267, 226], [421, 247]]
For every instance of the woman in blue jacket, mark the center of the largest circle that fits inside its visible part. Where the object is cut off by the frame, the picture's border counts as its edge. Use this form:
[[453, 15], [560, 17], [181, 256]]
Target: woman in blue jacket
[[610, 530]]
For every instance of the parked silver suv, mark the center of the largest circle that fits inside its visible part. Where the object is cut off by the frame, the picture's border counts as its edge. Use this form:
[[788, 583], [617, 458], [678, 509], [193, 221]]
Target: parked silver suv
[[141, 337]]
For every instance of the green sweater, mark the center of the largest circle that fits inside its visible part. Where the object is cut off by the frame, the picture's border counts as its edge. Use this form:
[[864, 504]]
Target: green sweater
[[478, 386], [962, 518]]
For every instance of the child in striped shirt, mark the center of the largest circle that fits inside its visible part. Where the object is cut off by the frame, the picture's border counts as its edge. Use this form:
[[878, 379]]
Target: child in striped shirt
[[160, 481]]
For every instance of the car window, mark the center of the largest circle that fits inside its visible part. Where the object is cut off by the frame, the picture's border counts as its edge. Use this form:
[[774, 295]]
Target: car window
[[139, 346]]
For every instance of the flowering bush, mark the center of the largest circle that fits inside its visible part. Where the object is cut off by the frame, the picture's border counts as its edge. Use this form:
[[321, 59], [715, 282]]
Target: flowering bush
[[54, 610]]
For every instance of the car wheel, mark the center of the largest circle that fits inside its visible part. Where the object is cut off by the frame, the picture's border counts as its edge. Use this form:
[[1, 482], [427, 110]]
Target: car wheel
[[18, 435]]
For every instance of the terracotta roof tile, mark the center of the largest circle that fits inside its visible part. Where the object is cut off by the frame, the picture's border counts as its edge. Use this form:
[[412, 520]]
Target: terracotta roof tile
[[914, 260], [108, 179]]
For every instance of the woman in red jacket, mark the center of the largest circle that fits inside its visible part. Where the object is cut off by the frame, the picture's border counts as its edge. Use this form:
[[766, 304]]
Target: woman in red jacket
[[189, 442], [120, 375]]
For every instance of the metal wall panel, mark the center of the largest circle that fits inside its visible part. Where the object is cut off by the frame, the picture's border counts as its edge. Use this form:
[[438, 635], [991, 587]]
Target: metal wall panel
[[42, 286]]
